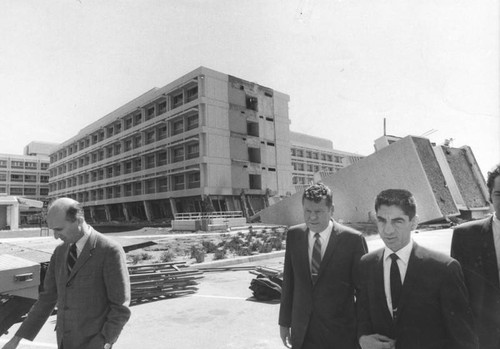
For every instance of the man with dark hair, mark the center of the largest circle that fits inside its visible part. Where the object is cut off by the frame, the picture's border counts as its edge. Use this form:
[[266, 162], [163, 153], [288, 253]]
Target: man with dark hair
[[88, 280], [320, 278], [476, 245], [410, 297]]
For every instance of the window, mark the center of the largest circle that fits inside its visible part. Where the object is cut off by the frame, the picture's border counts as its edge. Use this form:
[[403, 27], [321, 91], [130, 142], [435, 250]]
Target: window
[[150, 137], [16, 178], [109, 131], [109, 172], [30, 165], [162, 184], [16, 191], [253, 129], [194, 180], [30, 178], [162, 158], [137, 119], [137, 165], [309, 168], [3, 177], [128, 123], [178, 182], [128, 144], [150, 113], [137, 188], [150, 186], [192, 94], [193, 151], [118, 148], [118, 128], [300, 153], [178, 127], [162, 108], [150, 161], [137, 141], [308, 154], [192, 122], [30, 191], [3, 163], [293, 152], [118, 170], [177, 100], [251, 103], [109, 152], [178, 154], [315, 156], [255, 181], [44, 191], [17, 164], [254, 155], [128, 167], [128, 189], [338, 159], [162, 132]]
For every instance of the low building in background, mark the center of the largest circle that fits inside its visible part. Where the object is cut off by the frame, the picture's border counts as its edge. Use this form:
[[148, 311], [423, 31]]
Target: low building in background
[[315, 156], [25, 176]]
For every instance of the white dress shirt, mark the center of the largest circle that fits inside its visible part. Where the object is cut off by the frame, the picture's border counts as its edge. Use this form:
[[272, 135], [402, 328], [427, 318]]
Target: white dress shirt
[[403, 258], [80, 244], [324, 237]]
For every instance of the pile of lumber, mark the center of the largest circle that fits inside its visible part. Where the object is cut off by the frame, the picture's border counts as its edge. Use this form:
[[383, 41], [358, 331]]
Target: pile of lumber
[[156, 281]]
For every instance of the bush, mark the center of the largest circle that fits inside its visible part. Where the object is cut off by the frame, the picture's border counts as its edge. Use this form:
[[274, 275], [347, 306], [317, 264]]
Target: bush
[[220, 253], [146, 256], [135, 258], [209, 246], [167, 256], [266, 248], [244, 251], [198, 253]]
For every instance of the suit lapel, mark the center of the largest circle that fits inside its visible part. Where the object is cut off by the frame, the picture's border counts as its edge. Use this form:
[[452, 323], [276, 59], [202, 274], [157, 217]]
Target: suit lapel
[[85, 255], [329, 249], [490, 265], [303, 253]]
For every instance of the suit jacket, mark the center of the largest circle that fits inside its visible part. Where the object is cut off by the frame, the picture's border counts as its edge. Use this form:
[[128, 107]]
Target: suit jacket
[[329, 303], [92, 301], [473, 246], [434, 310]]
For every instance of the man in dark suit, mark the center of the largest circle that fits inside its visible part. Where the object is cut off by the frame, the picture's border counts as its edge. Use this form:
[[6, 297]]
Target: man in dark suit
[[410, 297], [476, 245], [319, 282], [88, 279]]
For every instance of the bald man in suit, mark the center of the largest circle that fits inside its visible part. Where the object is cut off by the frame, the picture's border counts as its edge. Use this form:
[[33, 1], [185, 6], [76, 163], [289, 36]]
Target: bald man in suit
[[88, 280]]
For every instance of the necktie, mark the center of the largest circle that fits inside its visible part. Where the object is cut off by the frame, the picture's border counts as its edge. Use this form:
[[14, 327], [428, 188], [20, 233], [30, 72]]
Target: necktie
[[396, 284], [316, 258], [72, 256]]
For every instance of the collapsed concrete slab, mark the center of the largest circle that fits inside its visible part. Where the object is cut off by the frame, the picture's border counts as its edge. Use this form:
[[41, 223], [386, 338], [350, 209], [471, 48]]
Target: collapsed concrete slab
[[408, 163]]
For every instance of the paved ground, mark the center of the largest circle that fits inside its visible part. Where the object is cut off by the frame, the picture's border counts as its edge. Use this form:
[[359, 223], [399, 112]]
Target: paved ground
[[220, 315]]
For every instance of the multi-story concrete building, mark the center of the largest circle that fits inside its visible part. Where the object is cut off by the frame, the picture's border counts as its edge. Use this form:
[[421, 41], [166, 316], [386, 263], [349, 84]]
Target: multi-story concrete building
[[313, 155], [206, 136], [26, 175]]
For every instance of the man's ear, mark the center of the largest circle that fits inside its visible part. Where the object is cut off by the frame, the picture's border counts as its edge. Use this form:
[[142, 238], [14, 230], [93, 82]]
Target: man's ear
[[414, 223]]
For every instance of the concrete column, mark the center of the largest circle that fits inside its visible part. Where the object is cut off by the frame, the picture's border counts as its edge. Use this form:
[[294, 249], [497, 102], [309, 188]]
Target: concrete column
[[172, 206], [125, 212], [108, 213], [147, 209]]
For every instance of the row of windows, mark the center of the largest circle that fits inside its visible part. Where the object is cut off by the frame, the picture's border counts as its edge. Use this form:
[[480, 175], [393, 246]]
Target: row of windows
[[178, 125], [302, 180], [159, 107], [27, 165], [160, 158], [24, 178], [309, 154], [151, 186], [24, 191], [299, 166]]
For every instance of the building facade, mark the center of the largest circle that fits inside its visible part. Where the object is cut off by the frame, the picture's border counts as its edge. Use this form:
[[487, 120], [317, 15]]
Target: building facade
[[205, 141], [26, 175], [312, 156]]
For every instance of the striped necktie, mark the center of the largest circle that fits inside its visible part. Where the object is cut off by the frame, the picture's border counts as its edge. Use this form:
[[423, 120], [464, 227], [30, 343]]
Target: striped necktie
[[316, 258], [72, 256]]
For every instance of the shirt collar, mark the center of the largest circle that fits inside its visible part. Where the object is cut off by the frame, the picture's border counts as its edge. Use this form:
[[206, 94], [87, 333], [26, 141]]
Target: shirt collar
[[323, 233], [403, 254], [80, 244]]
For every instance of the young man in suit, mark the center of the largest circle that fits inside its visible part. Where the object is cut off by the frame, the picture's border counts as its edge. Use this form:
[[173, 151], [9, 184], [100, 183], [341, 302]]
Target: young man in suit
[[476, 245], [410, 297], [88, 280], [319, 282]]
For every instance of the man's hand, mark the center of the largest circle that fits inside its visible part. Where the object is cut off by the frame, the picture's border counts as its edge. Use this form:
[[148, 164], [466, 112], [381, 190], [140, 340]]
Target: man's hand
[[13, 343], [285, 336], [376, 341]]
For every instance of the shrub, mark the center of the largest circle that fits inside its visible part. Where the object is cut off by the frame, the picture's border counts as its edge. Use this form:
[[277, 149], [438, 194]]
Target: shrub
[[134, 258], [198, 253], [145, 256], [266, 248], [167, 256], [244, 251], [220, 253], [209, 246]]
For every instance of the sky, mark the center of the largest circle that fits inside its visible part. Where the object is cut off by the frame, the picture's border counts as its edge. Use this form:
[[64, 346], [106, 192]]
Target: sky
[[429, 67]]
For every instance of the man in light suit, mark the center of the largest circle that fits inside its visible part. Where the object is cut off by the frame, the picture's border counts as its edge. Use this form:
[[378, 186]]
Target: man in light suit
[[320, 278], [410, 297], [89, 283], [476, 245]]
